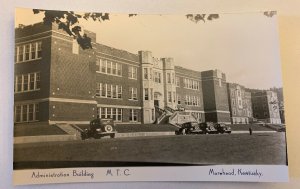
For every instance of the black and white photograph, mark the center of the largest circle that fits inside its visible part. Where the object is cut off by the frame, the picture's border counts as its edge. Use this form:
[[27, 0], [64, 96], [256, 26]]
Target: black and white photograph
[[127, 93]]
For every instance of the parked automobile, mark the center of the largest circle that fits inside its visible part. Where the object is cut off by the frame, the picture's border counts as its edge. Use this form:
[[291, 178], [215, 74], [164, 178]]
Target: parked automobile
[[208, 127], [222, 128], [99, 128], [189, 128]]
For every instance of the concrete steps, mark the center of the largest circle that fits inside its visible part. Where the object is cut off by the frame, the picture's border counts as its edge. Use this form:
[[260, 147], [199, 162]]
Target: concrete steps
[[70, 129]]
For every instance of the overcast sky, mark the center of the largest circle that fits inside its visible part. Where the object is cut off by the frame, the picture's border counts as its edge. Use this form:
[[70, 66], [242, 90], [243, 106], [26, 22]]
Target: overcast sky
[[244, 46]]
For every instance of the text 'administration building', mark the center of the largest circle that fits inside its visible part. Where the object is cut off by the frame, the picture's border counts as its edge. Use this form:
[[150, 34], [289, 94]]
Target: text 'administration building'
[[56, 81]]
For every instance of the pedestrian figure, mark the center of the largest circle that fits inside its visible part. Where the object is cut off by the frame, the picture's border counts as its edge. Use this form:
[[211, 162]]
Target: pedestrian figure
[[250, 130]]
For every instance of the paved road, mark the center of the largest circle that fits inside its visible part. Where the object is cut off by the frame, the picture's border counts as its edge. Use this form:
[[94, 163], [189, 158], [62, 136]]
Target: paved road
[[263, 148]]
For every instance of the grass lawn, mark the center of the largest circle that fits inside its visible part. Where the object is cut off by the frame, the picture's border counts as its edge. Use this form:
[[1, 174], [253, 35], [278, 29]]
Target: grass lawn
[[36, 129], [267, 149]]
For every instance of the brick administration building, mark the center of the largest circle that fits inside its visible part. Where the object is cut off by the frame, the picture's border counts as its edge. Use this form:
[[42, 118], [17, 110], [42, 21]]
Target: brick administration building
[[56, 81]]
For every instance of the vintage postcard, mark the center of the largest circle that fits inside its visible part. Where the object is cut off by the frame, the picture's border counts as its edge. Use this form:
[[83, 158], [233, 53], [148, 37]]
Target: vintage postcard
[[101, 97]]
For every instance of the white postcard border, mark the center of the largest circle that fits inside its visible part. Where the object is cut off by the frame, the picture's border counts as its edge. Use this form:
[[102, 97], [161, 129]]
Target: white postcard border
[[237, 173]]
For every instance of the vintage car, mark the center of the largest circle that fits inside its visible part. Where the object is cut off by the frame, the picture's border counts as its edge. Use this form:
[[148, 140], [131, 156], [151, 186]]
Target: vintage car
[[222, 128], [208, 128], [99, 128], [189, 128]]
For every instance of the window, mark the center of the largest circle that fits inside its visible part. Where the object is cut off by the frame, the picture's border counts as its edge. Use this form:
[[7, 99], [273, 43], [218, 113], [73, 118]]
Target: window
[[178, 99], [114, 91], [98, 65], [132, 72], [150, 73], [177, 82], [29, 51], [98, 89], [190, 84], [108, 64], [26, 113], [146, 94], [133, 93], [103, 66], [173, 78], [109, 113], [119, 91], [103, 90], [114, 113], [33, 50], [39, 49], [119, 69], [168, 77], [157, 77], [133, 115], [109, 91], [174, 97], [233, 102], [20, 54], [109, 67], [27, 82], [169, 96], [114, 68], [233, 111], [145, 73], [119, 114]]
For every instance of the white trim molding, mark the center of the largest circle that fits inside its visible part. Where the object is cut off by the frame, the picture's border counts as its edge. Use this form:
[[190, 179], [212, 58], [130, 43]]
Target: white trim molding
[[118, 106], [69, 100]]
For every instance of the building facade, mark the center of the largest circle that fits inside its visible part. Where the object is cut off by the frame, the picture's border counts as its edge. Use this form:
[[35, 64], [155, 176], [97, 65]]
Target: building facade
[[215, 96], [56, 81], [239, 104], [265, 106]]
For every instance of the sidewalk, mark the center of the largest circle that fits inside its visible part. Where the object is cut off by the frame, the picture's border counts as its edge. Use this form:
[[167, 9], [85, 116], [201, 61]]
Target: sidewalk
[[55, 138]]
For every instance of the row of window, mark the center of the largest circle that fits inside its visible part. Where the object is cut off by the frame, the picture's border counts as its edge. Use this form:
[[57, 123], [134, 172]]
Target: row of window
[[244, 112], [26, 113], [116, 114], [27, 82], [109, 67], [190, 84], [105, 90], [29, 51], [237, 92], [190, 100]]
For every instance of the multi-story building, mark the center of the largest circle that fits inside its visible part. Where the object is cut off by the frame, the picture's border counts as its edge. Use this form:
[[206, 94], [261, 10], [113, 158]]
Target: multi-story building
[[265, 106], [239, 104], [189, 94], [56, 81], [215, 96]]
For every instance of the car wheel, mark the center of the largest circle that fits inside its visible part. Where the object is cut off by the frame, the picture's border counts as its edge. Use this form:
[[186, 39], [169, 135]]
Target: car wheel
[[108, 128]]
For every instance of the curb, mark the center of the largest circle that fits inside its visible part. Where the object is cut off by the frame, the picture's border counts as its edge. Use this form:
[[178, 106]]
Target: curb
[[138, 134], [44, 138]]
